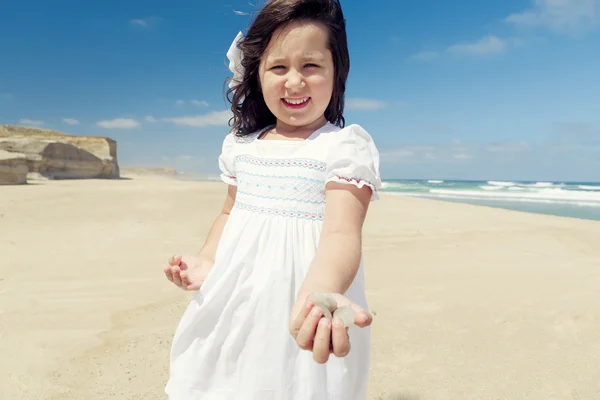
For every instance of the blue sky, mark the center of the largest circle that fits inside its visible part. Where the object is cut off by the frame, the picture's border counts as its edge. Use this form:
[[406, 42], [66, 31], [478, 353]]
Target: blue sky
[[448, 89]]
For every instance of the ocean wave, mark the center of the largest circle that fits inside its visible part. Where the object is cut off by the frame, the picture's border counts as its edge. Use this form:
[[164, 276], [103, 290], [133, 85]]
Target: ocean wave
[[489, 198], [540, 184], [501, 183], [543, 194], [586, 187], [488, 187], [435, 181]]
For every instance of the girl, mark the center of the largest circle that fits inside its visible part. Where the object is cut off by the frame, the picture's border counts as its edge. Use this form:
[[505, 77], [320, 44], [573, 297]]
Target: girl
[[299, 185]]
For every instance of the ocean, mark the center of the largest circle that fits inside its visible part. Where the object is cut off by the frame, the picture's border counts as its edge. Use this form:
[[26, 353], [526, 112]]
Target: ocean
[[566, 199]]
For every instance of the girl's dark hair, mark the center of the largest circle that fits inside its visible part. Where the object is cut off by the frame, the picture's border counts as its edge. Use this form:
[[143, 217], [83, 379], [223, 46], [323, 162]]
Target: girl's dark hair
[[250, 112]]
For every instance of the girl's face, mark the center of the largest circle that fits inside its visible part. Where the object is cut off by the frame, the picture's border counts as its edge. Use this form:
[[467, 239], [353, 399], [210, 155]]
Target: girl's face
[[296, 75]]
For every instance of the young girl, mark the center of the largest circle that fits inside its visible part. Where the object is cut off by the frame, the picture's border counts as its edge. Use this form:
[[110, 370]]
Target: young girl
[[299, 185]]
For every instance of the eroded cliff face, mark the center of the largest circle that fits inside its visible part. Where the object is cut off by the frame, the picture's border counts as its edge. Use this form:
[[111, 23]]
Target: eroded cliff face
[[13, 168], [55, 155]]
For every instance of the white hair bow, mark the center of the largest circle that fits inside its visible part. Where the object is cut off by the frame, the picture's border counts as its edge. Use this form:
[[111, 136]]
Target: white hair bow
[[235, 55]]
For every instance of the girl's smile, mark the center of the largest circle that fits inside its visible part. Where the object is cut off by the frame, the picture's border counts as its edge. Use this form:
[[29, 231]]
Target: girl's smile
[[296, 103]]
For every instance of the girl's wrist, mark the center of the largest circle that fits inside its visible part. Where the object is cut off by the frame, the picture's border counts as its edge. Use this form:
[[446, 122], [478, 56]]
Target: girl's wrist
[[309, 287], [206, 257]]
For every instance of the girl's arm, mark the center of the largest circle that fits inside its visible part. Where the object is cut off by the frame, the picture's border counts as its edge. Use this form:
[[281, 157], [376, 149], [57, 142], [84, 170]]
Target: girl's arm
[[209, 248], [339, 252], [189, 273]]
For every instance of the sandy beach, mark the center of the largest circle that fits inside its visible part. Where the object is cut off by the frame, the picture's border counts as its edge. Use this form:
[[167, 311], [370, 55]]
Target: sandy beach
[[471, 302]]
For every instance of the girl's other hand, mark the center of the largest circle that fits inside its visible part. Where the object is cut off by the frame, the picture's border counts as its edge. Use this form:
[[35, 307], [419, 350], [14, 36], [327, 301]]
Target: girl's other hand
[[188, 272], [313, 331]]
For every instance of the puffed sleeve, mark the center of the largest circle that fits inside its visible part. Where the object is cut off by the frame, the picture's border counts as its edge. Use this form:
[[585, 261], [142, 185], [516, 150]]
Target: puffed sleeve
[[226, 161], [354, 159]]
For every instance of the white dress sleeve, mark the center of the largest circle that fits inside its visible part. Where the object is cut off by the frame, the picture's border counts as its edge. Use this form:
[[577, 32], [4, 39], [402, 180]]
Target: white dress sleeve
[[226, 161], [354, 159]]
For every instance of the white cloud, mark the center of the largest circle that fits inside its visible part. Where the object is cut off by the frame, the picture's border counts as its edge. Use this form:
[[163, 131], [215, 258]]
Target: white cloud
[[202, 103], [487, 45], [508, 147], [212, 118], [149, 118], [33, 122], [364, 104], [145, 22], [118, 123], [559, 15], [139, 22], [195, 102], [571, 152], [462, 156], [70, 121], [409, 154], [484, 46], [448, 152], [426, 56]]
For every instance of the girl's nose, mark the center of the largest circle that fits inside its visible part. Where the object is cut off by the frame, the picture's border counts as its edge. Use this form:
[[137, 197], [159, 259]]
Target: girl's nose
[[294, 80]]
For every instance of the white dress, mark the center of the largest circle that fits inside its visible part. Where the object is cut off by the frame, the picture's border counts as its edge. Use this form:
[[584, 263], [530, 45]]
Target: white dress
[[233, 341]]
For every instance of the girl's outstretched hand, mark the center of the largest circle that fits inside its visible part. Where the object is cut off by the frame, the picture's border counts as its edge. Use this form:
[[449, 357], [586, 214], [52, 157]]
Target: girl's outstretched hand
[[188, 272], [318, 326]]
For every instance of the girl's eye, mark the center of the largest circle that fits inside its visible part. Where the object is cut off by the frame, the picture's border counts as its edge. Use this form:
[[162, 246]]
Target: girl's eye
[[277, 67], [312, 65]]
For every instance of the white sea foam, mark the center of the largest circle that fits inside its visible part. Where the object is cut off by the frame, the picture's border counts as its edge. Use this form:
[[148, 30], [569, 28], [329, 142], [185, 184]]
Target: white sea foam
[[435, 181], [540, 184], [550, 194], [488, 187], [400, 185], [586, 187], [501, 183], [487, 198]]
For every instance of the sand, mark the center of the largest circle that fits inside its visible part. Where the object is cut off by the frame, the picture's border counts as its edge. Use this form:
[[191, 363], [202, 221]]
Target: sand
[[471, 302]]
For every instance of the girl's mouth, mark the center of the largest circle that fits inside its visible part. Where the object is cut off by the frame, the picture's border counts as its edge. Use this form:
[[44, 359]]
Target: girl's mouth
[[296, 103]]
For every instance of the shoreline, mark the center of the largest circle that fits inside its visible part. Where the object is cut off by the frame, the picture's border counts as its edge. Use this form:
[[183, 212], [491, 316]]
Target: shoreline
[[472, 302], [566, 210]]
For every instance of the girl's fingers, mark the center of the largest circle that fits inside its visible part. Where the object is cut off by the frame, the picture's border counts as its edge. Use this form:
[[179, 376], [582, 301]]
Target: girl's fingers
[[185, 280], [322, 341], [363, 318], [168, 272], [306, 333], [297, 323], [176, 276], [339, 338], [174, 260], [182, 265]]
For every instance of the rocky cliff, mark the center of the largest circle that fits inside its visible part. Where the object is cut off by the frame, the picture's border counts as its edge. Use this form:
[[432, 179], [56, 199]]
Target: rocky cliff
[[55, 155], [13, 168]]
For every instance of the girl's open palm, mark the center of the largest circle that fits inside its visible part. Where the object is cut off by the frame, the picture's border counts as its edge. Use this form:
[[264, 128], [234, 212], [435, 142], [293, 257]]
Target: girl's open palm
[[188, 272]]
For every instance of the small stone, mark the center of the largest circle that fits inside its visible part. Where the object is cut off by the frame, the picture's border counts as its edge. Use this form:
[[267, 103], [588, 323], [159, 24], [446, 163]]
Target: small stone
[[324, 300], [346, 314]]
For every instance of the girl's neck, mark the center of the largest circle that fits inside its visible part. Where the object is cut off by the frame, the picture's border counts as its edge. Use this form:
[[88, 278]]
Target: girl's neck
[[284, 130]]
